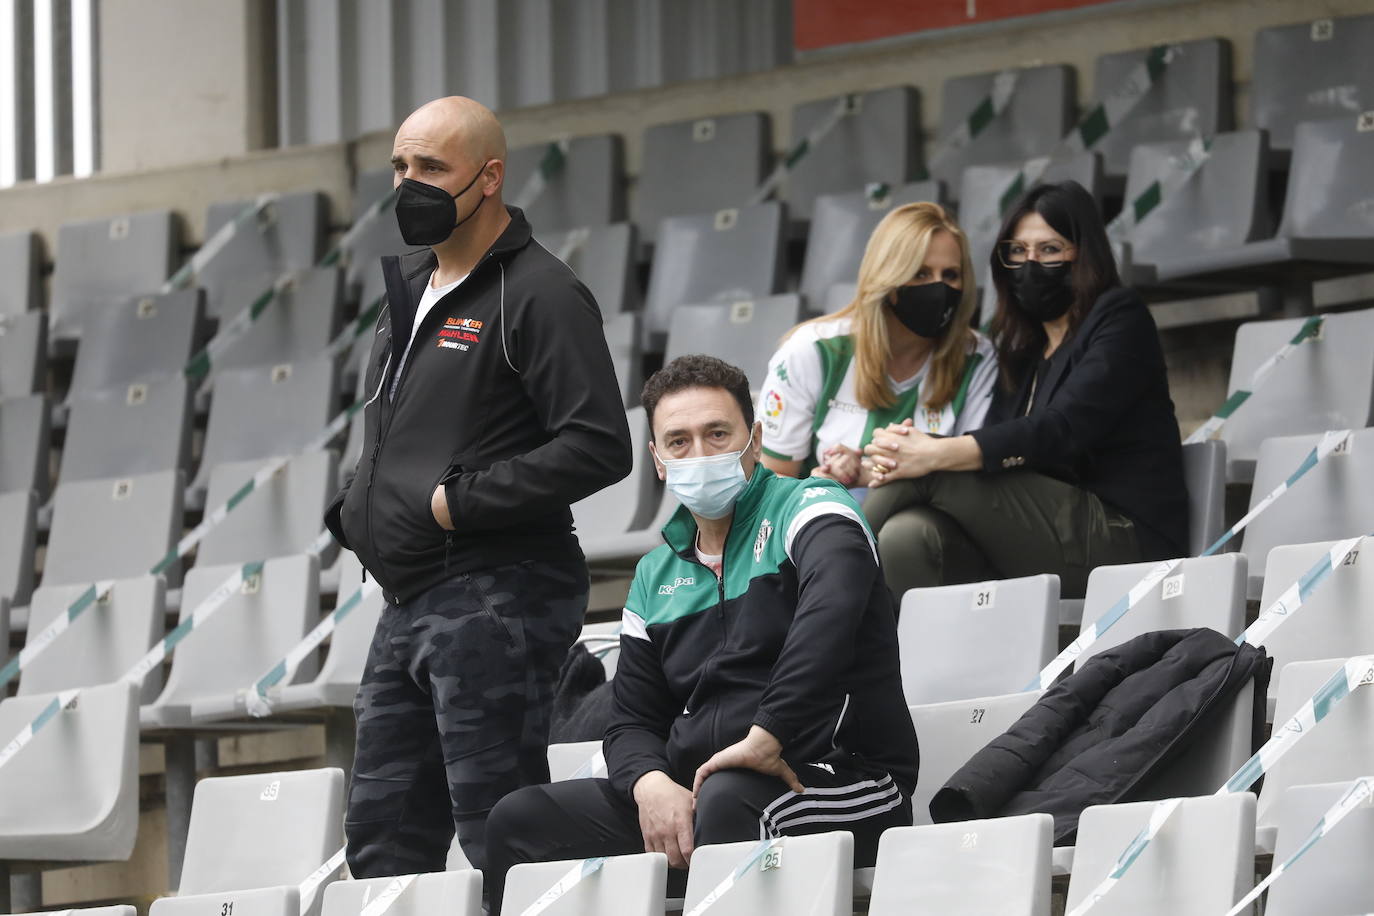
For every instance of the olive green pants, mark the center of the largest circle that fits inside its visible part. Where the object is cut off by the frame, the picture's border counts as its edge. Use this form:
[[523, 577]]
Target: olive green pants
[[965, 526]]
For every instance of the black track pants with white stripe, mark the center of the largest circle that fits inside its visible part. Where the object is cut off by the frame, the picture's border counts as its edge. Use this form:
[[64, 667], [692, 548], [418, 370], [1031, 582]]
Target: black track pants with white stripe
[[580, 818]]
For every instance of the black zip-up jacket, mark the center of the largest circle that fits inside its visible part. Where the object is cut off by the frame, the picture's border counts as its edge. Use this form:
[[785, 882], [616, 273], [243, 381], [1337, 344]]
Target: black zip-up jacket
[[508, 398]]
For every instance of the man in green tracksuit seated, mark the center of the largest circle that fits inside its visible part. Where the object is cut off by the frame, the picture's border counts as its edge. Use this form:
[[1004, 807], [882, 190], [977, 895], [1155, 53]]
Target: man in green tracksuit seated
[[758, 691]]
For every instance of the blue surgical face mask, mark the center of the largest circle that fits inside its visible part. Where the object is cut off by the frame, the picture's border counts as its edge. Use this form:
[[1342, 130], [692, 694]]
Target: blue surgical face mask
[[708, 486]]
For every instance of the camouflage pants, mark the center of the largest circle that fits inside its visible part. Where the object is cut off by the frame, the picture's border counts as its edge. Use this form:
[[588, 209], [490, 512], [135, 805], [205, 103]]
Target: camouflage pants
[[453, 711]]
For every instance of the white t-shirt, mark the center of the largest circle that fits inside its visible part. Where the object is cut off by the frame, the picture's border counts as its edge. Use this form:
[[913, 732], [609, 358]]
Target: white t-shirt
[[809, 404], [432, 295]]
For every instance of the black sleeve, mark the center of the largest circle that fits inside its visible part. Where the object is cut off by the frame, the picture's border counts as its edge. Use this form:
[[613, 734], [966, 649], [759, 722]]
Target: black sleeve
[[560, 351], [1103, 384], [642, 713], [836, 570], [332, 514]]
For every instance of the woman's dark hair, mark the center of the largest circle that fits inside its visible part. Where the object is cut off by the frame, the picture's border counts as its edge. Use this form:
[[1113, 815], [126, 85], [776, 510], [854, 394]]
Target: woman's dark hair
[[1071, 211]]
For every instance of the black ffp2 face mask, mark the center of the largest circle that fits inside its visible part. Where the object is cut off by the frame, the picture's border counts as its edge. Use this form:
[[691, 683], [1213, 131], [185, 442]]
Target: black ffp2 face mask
[[928, 309], [427, 214], [1043, 293]]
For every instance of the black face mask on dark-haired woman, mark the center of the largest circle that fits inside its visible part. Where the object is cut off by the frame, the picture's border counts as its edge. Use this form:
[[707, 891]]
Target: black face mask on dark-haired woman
[[1044, 293]]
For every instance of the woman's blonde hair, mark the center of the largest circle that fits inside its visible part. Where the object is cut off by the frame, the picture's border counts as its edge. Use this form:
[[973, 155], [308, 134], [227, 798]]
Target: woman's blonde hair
[[895, 252]]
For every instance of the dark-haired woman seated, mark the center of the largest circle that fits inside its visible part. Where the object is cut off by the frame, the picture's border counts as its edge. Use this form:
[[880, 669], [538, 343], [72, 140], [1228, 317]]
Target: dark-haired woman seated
[[1079, 462]]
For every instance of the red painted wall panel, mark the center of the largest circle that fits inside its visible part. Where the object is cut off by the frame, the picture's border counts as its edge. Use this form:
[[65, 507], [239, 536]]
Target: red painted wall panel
[[822, 23]]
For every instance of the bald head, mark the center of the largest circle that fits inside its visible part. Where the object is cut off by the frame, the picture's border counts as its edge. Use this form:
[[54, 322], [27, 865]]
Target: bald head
[[456, 127]]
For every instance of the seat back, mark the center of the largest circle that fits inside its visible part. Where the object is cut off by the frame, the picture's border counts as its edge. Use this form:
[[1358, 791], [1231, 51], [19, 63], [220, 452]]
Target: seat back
[[1332, 876], [634, 885], [700, 166], [72, 793], [300, 323], [1333, 500], [279, 518], [1326, 383], [841, 224], [260, 901], [112, 528], [816, 876], [140, 428], [604, 258], [451, 893], [628, 504], [586, 187], [575, 759], [287, 235], [24, 437], [725, 256], [141, 339], [976, 640], [262, 830], [878, 139], [100, 645], [1222, 206], [18, 536], [1201, 862], [744, 333], [21, 262], [1330, 186], [382, 237], [623, 335], [951, 733], [1036, 117], [994, 866], [102, 262], [1310, 71], [1204, 474], [1192, 96], [342, 668], [23, 353]]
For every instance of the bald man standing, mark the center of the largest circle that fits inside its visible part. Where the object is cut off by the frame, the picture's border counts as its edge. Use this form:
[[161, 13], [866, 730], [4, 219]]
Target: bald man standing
[[492, 406]]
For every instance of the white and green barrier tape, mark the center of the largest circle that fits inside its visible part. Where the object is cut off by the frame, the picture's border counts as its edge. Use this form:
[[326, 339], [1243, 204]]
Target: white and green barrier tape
[[384, 901], [311, 885], [983, 115], [554, 160], [1311, 330], [1358, 794], [573, 877], [340, 253], [1287, 605], [768, 850], [843, 106], [1178, 171], [259, 212]]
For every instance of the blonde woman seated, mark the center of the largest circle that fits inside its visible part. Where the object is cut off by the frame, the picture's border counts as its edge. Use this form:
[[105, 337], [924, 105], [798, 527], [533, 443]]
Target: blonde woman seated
[[902, 352]]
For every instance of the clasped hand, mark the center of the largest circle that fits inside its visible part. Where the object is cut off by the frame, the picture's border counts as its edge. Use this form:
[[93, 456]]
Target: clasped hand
[[899, 451]]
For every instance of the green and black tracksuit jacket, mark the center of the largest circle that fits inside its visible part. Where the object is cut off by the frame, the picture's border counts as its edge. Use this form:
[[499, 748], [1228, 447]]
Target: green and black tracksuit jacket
[[799, 636]]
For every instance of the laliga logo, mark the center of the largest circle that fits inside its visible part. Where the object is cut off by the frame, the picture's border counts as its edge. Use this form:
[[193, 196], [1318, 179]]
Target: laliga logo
[[669, 589]]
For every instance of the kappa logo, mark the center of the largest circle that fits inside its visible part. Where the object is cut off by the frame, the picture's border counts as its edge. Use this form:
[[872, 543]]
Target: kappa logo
[[677, 583], [813, 492], [765, 532]]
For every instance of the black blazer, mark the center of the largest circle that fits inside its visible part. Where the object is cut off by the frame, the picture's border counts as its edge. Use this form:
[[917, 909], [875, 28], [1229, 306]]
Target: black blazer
[[1103, 420]]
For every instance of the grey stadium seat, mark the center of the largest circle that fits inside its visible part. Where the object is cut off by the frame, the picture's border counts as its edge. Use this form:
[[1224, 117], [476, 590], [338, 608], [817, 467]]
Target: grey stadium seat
[[1193, 96], [700, 166], [112, 528], [353, 446], [381, 238], [1333, 500], [950, 733], [631, 885], [879, 139], [71, 795], [1204, 474], [23, 354], [267, 830], [1326, 228], [260, 901], [1308, 71], [570, 760], [337, 682], [626, 505], [816, 877], [604, 258], [292, 240], [623, 333], [121, 432], [21, 261], [714, 257], [588, 190], [840, 227], [1038, 114], [18, 535], [102, 262], [981, 639], [1327, 383], [1201, 862], [1340, 747], [97, 911], [301, 322], [24, 437], [995, 866], [745, 333], [1224, 205], [838, 296], [452, 893], [101, 644], [278, 519], [143, 338], [1332, 876], [263, 411], [1335, 618], [242, 641]]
